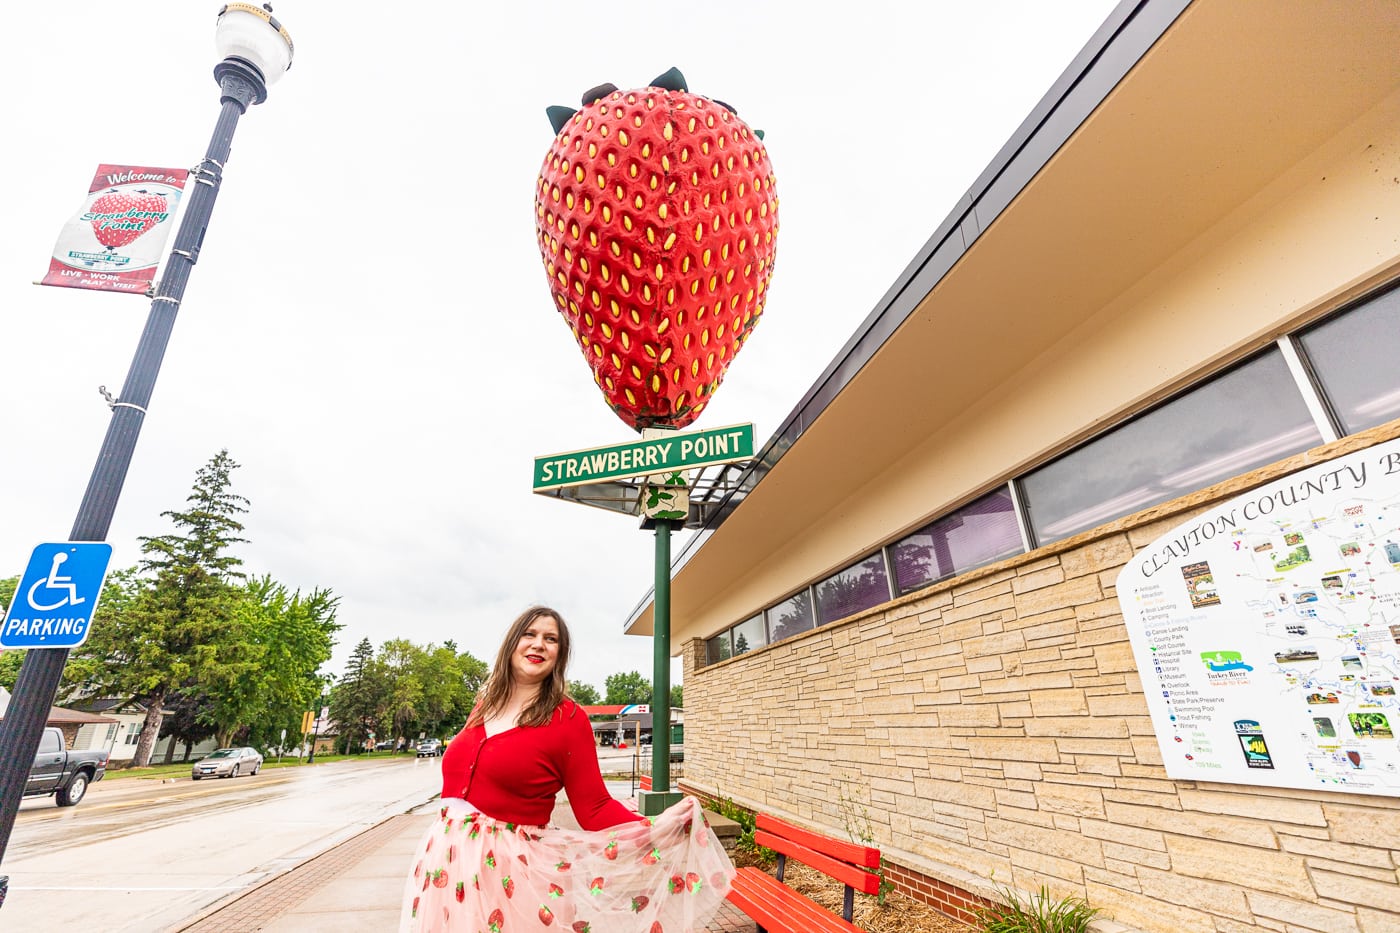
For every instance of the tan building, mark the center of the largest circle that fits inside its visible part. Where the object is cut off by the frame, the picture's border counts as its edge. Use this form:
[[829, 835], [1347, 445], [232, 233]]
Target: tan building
[[1175, 285]]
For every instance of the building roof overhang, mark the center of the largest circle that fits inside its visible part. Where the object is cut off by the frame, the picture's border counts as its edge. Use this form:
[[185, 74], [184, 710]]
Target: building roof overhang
[[1172, 118], [58, 716]]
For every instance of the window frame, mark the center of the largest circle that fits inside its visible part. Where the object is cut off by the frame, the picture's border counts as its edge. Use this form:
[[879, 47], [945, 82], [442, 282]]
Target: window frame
[[1298, 363]]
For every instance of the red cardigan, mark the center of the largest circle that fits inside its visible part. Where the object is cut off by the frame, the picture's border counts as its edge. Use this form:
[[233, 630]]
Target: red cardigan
[[515, 775]]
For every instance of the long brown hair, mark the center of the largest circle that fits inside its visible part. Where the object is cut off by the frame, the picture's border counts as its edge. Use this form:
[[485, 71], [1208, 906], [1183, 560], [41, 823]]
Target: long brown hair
[[498, 686]]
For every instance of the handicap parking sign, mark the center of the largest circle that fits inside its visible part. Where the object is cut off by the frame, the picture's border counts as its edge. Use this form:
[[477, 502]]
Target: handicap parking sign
[[55, 600]]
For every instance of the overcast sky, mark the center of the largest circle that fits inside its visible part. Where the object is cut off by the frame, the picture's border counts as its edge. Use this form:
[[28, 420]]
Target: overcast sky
[[369, 331]]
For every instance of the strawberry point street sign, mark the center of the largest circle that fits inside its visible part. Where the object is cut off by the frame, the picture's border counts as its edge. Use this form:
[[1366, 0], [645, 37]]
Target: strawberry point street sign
[[666, 454]]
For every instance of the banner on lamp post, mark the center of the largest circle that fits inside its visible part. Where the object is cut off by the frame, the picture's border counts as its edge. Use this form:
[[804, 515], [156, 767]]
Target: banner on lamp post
[[117, 238]]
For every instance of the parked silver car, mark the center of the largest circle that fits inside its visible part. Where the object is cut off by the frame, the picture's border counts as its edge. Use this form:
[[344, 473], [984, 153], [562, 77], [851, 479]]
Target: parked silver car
[[227, 762]]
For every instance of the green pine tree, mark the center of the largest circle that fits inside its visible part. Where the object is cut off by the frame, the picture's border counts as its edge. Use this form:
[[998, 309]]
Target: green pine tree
[[180, 629], [358, 700]]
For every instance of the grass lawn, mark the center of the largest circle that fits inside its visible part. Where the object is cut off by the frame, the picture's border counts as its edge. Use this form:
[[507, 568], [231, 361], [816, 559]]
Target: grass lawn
[[182, 769]]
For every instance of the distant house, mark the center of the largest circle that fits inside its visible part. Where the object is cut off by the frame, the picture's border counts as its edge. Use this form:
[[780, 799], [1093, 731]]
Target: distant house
[[79, 728], [121, 739], [119, 736]]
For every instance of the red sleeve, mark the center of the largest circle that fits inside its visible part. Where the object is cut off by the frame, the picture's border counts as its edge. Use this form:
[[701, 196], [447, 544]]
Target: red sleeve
[[593, 806]]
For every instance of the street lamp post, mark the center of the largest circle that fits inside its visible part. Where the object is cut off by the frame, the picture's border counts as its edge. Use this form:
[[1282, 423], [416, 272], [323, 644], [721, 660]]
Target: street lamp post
[[255, 50]]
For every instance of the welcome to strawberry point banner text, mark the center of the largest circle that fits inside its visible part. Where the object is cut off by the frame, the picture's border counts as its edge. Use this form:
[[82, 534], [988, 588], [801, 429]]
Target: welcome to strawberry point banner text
[[116, 240]]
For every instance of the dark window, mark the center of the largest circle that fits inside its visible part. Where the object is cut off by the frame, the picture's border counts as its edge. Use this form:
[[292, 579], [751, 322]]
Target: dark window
[[858, 587], [717, 649], [749, 635], [1250, 416], [976, 534], [791, 616], [1353, 357]]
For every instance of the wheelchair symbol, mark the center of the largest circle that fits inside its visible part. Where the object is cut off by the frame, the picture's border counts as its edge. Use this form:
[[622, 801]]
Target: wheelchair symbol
[[55, 582]]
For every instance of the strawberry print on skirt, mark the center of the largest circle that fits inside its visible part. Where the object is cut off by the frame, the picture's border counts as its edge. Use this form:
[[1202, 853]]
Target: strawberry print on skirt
[[473, 874]]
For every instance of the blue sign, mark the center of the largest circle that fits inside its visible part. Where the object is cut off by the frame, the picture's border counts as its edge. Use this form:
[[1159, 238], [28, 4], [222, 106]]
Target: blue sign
[[56, 597]]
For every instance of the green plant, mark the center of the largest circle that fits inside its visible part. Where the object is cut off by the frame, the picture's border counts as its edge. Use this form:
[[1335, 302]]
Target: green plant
[[856, 818], [1035, 913], [727, 808]]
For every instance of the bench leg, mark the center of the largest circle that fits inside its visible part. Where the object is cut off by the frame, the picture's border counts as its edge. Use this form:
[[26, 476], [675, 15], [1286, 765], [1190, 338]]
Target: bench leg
[[849, 907]]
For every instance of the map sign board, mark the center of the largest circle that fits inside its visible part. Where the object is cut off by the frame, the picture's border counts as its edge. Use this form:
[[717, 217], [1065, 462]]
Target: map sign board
[[645, 457], [1267, 631]]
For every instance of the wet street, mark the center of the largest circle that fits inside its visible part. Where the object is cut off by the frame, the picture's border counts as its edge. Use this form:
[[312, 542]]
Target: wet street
[[136, 856]]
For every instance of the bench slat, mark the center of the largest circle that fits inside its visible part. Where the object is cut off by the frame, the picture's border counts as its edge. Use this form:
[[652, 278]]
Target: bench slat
[[858, 878], [780, 909], [865, 856], [761, 912]]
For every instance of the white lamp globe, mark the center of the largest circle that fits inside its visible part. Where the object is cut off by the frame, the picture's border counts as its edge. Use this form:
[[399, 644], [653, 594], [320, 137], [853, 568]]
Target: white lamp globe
[[252, 35]]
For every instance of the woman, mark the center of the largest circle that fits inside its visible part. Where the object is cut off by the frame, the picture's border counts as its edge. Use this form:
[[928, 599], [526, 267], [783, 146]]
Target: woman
[[491, 862]]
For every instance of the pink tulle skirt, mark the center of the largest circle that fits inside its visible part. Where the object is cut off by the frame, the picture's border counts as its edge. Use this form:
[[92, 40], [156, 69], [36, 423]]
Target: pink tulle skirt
[[473, 874]]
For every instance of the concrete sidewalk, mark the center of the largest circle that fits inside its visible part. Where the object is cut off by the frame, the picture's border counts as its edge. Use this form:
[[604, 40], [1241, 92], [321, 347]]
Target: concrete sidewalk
[[356, 887]]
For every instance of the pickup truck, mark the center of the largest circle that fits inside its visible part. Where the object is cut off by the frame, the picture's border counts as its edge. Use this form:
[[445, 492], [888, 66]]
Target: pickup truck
[[63, 773]]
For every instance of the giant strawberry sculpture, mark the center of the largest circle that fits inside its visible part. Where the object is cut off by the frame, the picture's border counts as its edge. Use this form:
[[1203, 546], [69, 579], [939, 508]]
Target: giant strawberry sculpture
[[657, 221]]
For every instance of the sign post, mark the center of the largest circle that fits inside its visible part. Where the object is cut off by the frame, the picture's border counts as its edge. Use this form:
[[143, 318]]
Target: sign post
[[315, 729], [241, 85], [661, 796], [662, 456], [658, 365]]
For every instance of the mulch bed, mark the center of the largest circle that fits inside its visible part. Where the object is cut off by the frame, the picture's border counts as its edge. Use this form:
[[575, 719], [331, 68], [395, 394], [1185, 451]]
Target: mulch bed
[[899, 914]]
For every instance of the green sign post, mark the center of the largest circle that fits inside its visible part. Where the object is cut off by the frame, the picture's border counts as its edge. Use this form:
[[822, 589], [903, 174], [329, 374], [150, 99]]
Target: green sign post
[[645, 457], [662, 455]]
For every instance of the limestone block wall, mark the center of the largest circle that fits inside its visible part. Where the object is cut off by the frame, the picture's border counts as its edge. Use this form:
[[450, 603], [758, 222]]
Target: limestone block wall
[[992, 730]]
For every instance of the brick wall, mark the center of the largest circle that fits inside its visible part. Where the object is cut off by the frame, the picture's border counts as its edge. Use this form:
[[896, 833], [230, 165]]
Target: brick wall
[[992, 730]]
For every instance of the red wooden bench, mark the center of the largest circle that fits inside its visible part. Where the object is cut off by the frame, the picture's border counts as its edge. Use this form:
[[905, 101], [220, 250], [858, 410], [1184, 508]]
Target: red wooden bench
[[777, 908], [644, 782]]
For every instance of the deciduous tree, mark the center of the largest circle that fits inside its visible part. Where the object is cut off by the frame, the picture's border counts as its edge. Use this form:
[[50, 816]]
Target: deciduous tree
[[10, 660], [584, 694], [624, 688], [269, 671]]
